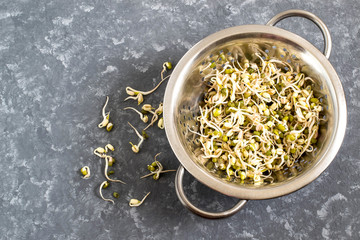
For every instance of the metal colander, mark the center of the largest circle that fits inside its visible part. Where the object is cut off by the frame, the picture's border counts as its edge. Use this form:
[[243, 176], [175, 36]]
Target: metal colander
[[186, 88]]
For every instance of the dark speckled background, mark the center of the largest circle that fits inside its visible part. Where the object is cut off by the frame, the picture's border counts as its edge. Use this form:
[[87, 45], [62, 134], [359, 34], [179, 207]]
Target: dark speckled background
[[58, 61]]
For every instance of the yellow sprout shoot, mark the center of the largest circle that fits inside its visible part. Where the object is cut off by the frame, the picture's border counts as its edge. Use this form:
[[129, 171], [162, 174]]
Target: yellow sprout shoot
[[161, 123], [106, 185], [168, 65], [165, 65], [85, 171], [144, 134], [136, 203], [140, 98], [145, 119], [134, 148], [100, 150], [109, 127], [109, 147], [130, 92], [111, 160]]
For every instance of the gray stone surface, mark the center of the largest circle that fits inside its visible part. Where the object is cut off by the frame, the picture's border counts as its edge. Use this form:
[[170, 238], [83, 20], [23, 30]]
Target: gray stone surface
[[58, 61]]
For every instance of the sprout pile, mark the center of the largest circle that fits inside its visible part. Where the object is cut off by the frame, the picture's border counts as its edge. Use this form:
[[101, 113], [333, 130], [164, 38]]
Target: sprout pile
[[256, 117]]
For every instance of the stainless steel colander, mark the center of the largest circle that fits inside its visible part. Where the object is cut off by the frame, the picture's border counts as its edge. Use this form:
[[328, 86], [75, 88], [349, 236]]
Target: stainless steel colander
[[185, 90]]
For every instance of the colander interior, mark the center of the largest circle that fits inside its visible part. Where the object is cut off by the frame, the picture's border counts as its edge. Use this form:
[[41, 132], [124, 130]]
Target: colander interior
[[191, 87]]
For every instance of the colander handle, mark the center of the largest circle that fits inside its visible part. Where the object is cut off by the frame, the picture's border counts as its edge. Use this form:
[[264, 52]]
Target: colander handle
[[310, 16], [185, 201]]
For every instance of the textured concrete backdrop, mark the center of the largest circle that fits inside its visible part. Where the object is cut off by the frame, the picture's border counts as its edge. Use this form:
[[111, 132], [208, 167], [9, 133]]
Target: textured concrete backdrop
[[58, 61]]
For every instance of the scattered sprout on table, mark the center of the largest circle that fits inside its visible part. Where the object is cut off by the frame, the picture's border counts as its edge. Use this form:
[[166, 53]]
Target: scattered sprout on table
[[109, 147], [156, 168], [159, 110], [109, 160], [109, 127], [106, 116], [147, 107], [155, 116], [140, 98], [136, 148], [100, 152], [138, 95], [143, 117], [168, 65], [85, 171], [105, 183], [136, 203], [106, 171]]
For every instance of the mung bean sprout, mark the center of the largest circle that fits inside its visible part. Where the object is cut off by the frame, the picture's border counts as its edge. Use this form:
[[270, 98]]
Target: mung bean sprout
[[143, 117], [104, 183], [136, 148], [139, 95], [136, 203], [156, 168], [106, 116]]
